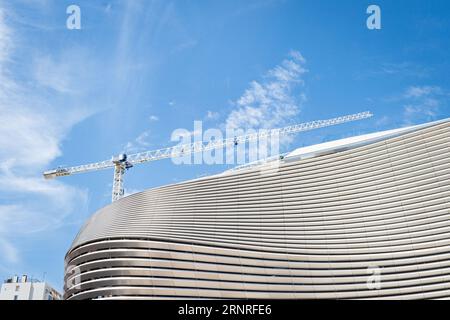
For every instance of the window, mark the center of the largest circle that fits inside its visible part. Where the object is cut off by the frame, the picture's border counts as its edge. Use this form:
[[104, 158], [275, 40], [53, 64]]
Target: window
[[16, 297], [17, 288]]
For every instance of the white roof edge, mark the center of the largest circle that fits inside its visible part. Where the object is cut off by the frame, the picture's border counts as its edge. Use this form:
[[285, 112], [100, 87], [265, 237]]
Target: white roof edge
[[355, 141]]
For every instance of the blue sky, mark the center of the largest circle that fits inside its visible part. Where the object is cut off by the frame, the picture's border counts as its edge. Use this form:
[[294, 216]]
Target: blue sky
[[137, 70]]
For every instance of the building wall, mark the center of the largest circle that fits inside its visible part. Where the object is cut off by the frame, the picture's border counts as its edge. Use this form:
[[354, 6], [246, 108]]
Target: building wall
[[16, 291], [369, 222], [28, 291]]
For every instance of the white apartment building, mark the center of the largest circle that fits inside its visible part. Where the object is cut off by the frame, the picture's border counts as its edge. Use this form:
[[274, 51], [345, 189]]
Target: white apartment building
[[27, 289]]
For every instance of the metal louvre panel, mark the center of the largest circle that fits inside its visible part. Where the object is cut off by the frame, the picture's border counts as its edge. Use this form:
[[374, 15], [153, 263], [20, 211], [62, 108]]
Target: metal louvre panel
[[310, 229]]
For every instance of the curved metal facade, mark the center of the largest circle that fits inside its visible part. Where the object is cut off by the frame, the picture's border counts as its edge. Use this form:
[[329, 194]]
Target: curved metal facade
[[312, 228]]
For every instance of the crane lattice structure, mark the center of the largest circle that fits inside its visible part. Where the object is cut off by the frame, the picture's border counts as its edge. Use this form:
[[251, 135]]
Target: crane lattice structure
[[123, 162]]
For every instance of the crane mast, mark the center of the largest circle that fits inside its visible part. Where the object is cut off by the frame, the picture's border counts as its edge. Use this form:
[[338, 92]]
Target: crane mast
[[123, 162]]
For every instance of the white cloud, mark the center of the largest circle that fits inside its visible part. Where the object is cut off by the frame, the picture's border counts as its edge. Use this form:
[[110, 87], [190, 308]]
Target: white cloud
[[420, 91], [142, 139], [31, 132], [27, 137], [5, 41], [9, 252], [297, 56], [271, 102], [384, 120], [64, 72], [38, 205], [187, 44], [427, 109], [423, 103], [212, 115], [405, 69], [153, 118], [51, 74], [140, 143]]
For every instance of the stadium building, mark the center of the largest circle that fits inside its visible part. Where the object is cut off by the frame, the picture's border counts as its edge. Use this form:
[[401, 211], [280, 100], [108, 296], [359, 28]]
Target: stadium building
[[362, 217]]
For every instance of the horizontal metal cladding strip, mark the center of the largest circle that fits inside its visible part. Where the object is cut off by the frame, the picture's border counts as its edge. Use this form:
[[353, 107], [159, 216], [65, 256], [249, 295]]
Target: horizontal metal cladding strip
[[364, 222], [405, 244], [258, 275], [295, 222], [287, 245], [413, 178], [375, 205], [349, 212], [300, 246], [324, 184], [431, 218], [260, 187], [154, 247], [418, 292], [253, 266], [149, 282], [439, 232], [288, 216], [322, 277], [262, 264], [318, 277]]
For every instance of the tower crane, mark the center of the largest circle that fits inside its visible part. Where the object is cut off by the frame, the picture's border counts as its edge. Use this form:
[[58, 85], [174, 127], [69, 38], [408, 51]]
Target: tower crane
[[122, 162]]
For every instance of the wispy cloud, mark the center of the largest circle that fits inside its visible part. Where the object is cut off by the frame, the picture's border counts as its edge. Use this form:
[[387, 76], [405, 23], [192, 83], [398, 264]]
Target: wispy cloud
[[212, 115], [31, 132], [53, 75], [398, 69], [9, 252], [249, 6], [140, 143], [271, 102], [423, 103], [189, 43], [421, 91], [384, 120], [5, 39]]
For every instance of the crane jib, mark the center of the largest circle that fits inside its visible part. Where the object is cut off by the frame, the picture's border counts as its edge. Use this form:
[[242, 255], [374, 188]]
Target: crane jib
[[122, 162]]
